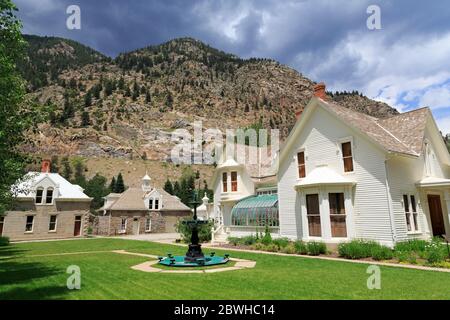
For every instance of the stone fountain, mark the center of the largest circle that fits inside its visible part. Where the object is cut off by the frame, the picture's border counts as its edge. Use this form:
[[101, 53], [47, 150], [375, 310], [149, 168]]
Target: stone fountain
[[194, 256]]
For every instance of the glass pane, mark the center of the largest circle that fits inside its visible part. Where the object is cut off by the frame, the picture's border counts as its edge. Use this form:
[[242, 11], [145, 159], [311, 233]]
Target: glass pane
[[413, 204], [336, 201], [301, 158], [338, 226], [348, 164], [301, 171], [314, 226], [312, 204], [406, 203], [346, 149]]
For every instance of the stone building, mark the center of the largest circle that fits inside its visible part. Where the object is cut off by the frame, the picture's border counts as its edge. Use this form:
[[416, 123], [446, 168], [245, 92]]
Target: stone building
[[46, 206], [140, 210]]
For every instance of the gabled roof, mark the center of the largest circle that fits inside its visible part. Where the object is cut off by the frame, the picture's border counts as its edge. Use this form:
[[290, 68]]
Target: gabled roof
[[401, 134], [66, 190], [133, 200]]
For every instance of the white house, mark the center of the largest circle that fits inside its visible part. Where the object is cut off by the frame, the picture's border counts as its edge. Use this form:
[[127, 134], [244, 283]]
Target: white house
[[343, 174], [245, 192]]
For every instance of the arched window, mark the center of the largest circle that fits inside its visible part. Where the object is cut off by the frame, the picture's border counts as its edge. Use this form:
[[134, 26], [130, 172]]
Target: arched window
[[49, 196], [39, 195]]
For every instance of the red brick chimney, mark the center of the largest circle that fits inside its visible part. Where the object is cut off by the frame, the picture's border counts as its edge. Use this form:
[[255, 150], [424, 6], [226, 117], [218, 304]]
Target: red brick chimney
[[319, 91], [45, 165]]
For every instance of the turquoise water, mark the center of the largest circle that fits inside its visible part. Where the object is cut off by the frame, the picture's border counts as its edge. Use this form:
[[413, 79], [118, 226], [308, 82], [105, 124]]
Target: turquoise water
[[178, 261]]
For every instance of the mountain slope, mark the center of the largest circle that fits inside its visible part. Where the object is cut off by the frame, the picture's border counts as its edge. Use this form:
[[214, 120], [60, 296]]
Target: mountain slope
[[129, 106]]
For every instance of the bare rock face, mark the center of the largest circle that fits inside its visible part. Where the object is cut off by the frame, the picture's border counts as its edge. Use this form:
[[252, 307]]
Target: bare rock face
[[133, 105]]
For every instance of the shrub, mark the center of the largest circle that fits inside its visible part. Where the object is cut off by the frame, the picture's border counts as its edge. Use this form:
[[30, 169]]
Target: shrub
[[357, 249], [259, 246], [301, 247], [411, 245], [267, 239], [4, 241], [316, 248], [204, 230], [281, 242], [382, 253], [290, 249], [435, 252], [248, 240], [271, 247], [234, 240]]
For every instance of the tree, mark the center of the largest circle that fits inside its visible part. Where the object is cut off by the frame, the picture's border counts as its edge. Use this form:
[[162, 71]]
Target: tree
[[55, 164], [177, 189], [67, 169], [79, 167], [88, 99], [120, 185], [14, 120], [168, 187], [96, 189], [112, 185], [85, 119]]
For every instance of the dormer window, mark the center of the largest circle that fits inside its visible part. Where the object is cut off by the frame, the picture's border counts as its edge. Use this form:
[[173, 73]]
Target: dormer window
[[301, 164], [234, 181], [39, 195], [49, 196], [156, 204], [150, 204], [347, 156], [224, 182]]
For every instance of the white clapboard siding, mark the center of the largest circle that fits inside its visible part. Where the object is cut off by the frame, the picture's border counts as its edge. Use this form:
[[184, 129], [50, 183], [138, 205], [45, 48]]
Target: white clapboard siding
[[321, 140]]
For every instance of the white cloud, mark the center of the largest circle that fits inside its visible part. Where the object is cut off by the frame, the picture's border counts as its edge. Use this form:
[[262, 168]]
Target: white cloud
[[436, 97], [444, 125]]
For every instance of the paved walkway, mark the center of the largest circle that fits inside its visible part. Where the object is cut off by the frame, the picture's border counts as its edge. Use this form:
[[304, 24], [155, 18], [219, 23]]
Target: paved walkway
[[154, 237]]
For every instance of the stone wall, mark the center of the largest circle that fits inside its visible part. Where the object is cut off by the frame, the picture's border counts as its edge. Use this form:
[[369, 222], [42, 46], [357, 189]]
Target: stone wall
[[15, 221]]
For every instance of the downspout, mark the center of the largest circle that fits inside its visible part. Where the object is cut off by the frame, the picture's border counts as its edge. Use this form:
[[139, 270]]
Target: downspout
[[391, 210]]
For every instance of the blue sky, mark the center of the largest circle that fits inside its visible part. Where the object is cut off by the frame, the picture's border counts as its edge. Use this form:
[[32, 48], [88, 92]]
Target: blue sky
[[406, 63]]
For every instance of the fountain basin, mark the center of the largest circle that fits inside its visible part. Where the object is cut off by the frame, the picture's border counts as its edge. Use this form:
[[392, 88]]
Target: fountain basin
[[180, 261]]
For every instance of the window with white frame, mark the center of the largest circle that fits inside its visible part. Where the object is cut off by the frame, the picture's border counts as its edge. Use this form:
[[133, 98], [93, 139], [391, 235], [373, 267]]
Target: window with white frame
[[156, 204], [410, 206], [123, 225], [29, 224], [234, 181], [347, 156], [148, 225], [301, 164], [39, 195], [337, 215], [49, 196], [150, 203], [224, 182], [52, 223]]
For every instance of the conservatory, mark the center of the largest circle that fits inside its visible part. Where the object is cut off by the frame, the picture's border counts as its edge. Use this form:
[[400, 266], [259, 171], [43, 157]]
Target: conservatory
[[256, 211]]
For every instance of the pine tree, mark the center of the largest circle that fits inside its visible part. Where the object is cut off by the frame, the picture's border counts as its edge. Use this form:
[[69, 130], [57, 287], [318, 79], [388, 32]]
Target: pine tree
[[120, 185], [88, 99], [112, 185], [168, 187], [55, 164], [67, 169], [85, 119], [148, 97], [177, 189]]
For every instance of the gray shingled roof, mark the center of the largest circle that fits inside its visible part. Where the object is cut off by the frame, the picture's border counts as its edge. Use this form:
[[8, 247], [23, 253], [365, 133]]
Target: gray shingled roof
[[401, 133], [133, 200]]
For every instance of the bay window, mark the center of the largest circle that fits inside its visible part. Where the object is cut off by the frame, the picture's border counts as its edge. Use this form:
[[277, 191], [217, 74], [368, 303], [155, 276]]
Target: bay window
[[337, 215]]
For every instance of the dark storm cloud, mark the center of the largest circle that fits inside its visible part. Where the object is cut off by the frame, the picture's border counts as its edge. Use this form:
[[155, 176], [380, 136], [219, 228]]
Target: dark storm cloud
[[325, 40]]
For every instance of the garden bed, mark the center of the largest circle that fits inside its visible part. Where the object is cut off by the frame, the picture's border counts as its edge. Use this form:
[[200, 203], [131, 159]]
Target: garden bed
[[432, 253]]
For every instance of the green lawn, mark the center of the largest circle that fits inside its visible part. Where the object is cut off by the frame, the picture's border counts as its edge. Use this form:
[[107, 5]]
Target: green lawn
[[108, 276]]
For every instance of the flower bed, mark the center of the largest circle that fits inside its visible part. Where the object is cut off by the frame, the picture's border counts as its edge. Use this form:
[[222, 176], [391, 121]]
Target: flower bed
[[432, 253]]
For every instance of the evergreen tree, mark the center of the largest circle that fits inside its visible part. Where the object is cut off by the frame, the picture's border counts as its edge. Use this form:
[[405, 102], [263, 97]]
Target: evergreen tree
[[55, 164], [168, 187], [79, 177], [148, 97], [88, 99], [120, 185], [96, 189], [112, 185], [85, 119], [67, 169], [177, 189]]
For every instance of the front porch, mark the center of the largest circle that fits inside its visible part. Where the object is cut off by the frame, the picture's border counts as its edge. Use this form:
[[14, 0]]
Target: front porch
[[435, 195]]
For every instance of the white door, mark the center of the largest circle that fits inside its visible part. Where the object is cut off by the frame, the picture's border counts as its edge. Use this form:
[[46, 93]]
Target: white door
[[136, 226]]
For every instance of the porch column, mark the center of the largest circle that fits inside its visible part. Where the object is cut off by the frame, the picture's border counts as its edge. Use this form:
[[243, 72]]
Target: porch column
[[302, 212], [350, 222], [447, 204], [325, 214]]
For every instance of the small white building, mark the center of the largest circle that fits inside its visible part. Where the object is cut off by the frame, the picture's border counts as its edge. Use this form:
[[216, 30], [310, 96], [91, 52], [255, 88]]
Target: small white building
[[343, 175]]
